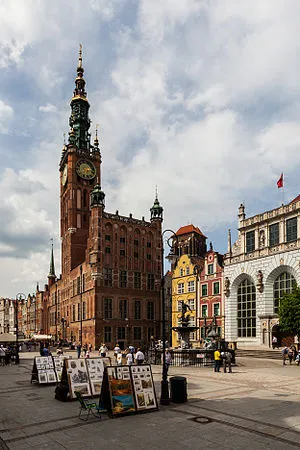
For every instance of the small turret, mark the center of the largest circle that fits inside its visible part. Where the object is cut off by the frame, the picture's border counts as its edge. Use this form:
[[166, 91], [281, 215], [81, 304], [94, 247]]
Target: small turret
[[97, 197], [156, 210]]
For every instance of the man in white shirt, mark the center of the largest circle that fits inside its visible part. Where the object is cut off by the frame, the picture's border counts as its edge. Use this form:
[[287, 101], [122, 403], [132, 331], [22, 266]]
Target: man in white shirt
[[139, 357], [117, 350]]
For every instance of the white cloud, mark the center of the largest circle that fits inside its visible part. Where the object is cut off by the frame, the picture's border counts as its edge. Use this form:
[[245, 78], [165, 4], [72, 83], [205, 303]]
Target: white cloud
[[6, 114], [48, 108], [201, 98]]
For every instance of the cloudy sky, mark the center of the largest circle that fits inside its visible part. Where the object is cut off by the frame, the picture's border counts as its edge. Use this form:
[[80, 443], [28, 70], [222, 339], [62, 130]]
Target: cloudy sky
[[201, 98]]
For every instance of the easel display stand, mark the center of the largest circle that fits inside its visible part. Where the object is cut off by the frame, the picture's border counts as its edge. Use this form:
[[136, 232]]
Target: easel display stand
[[43, 371], [128, 390], [83, 375]]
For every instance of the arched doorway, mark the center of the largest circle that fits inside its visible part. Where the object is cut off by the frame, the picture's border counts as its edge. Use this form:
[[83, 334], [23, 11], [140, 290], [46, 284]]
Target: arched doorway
[[282, 337]]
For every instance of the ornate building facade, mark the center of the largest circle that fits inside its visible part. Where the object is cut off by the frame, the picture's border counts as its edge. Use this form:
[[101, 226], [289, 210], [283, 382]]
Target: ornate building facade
[[7, 316], [109, 289], [262, 264], [211, 295], [189, 249]]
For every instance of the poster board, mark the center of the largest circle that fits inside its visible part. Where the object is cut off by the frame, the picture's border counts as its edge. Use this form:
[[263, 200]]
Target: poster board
[[128, 390], [58, 362], [95, 369], [77, 376], [43, 370], [143, 387]]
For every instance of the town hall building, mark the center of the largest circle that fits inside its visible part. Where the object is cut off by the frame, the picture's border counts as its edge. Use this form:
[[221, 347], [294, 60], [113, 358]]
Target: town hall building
[[109, 288]]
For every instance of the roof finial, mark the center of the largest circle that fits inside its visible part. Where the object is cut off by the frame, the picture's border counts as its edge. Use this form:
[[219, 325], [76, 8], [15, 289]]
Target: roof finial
[[96, 142], [64, 138], [80, 57], [156, 192]]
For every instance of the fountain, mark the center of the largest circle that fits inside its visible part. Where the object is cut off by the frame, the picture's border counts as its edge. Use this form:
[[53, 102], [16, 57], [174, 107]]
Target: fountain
[[185, 330]]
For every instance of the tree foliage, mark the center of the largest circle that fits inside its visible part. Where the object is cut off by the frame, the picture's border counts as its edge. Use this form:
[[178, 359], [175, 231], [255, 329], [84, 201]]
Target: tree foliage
[[289, 312]]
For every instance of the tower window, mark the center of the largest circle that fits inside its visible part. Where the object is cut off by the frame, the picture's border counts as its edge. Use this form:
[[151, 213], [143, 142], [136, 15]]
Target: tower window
[[107, 237], [122, 240]]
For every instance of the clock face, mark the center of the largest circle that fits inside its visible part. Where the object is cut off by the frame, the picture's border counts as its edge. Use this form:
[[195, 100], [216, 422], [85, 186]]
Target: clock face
[[86, 169], [64, 177]]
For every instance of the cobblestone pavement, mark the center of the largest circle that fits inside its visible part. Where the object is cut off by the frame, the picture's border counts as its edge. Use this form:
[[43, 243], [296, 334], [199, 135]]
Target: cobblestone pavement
[[255, 407]]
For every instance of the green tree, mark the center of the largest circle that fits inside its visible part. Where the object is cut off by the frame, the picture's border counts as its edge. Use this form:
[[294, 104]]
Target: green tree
[[289, 312]]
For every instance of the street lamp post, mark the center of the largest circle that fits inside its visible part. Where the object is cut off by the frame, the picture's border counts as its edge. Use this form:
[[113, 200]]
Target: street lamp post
[[80, 289], [19, 298], [196, 273], [164, 396]]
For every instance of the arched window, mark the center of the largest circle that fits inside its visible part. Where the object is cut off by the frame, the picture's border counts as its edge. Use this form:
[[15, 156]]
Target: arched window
[[246, 309], [283, 284]]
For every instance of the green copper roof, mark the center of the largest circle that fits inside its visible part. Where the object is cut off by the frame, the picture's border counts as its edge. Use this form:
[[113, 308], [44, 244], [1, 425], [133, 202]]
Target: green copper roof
[[97, 196]]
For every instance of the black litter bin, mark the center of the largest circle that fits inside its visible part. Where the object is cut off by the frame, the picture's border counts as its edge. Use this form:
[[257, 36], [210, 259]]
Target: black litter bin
[[178, 389]]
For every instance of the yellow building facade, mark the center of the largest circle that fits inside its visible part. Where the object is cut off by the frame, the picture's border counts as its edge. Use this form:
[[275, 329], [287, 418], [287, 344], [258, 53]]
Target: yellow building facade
[[184, 288]]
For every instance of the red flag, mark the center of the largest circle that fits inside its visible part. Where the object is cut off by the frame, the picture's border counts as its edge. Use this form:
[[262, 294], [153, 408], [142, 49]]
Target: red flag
[[280, 181]]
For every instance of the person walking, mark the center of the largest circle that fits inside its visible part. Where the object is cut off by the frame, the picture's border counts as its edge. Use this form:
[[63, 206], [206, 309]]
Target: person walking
[[103, 350], [129, 358], [274, 342], [284, 354], [78, 348], [2, 355], [168, 359], [227, 359], [217, 360], [290, 354], [139, 357], [119, 359], [117, 350]]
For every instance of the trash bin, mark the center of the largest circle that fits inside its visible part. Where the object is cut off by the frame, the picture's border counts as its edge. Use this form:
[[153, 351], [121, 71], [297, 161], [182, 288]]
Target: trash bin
[[178, 389]]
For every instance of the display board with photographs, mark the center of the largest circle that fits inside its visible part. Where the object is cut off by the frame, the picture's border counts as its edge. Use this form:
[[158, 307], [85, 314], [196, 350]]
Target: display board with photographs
[[95, 368], [128, 390], [58, 362], [78, 378], [143, 387], [43, 370], [119, 387]]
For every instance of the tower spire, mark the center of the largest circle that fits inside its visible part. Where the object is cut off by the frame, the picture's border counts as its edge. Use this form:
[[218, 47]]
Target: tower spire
[[79, 119], [79, 90], [52, 268]]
